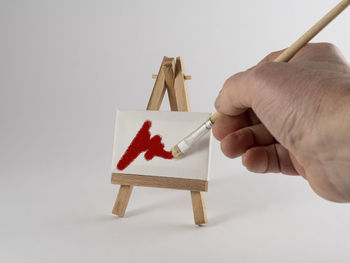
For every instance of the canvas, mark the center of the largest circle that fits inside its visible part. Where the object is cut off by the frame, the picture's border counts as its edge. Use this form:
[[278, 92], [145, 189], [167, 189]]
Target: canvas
[[172, 127]]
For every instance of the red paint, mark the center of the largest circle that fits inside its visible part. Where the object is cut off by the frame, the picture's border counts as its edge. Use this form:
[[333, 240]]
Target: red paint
[[144, 143]]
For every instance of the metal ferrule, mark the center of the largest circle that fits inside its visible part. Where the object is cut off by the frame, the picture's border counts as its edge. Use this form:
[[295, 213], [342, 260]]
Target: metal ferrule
[[186, 143]]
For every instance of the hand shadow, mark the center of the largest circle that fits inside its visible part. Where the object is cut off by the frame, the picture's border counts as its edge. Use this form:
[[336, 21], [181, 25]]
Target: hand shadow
[[240, 195]]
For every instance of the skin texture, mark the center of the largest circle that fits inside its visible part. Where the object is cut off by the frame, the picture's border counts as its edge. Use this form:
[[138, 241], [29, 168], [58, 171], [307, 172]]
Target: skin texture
[[292, 118]]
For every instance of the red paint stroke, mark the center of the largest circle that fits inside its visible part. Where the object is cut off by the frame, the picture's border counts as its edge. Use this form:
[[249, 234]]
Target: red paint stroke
[[144, 143]]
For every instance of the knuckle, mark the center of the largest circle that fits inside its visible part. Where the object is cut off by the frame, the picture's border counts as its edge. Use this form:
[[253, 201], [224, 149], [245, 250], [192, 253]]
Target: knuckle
[[327, 46], [250, 135], [227, 83], [322, 47], [263, 70], [225, 148], [230, 82], [271, 57], [273, 54]]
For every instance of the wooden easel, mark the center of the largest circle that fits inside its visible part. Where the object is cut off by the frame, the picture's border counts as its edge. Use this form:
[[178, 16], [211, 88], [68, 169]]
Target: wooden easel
[[171, 77]]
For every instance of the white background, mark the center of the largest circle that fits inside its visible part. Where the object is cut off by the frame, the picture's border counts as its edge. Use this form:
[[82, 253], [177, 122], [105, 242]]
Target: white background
[[65, 66]]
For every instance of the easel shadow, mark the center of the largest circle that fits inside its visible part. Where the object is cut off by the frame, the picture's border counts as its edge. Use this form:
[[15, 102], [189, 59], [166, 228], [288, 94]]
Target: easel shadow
[[151, 207]]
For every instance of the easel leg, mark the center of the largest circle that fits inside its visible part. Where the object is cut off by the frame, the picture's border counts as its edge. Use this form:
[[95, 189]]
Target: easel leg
[[122, 200], [199, 212]]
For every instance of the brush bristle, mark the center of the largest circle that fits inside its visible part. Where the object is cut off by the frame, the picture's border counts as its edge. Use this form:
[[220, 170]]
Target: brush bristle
[[176, 152]]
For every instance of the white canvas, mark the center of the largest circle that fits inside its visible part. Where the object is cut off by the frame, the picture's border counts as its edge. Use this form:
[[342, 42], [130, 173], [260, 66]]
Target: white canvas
[[173, 127]]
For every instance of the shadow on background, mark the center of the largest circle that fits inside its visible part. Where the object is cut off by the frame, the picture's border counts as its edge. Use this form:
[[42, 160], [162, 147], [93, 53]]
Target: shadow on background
[[235, 196]]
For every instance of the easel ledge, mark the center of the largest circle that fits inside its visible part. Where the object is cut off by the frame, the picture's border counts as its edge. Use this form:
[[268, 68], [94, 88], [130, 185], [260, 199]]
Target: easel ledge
[[161, 182]]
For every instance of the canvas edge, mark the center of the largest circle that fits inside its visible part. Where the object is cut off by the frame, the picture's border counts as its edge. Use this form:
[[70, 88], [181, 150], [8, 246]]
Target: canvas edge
[[117, 112]]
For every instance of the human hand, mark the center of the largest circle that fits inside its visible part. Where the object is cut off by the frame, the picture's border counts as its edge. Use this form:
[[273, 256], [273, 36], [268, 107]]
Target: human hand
[[292, 118]]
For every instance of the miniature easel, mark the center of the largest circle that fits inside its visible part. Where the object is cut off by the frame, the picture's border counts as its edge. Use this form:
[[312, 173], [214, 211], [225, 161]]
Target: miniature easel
[[171, 77]]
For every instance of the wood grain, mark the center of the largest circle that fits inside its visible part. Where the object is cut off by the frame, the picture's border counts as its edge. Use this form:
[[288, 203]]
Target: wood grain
[[159, 88], [161, 182], [169, 71], [122, 200], [181, 92], [186, 77], [199, 211]]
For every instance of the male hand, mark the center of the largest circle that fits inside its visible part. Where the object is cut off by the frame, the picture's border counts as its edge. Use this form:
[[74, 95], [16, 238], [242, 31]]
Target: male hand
[[292, 118]]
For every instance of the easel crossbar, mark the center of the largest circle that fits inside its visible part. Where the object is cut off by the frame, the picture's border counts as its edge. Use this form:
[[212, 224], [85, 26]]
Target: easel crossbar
[[161, 182]]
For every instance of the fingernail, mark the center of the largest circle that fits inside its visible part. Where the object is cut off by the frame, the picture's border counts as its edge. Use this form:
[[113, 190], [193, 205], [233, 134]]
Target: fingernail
[[259, 168], [218, 101]]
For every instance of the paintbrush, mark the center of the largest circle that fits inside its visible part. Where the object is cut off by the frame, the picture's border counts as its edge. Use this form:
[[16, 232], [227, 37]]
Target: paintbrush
[[180, 149]]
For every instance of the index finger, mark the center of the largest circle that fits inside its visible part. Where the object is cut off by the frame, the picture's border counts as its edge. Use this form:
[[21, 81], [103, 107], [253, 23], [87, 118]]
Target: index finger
[[236, 95]]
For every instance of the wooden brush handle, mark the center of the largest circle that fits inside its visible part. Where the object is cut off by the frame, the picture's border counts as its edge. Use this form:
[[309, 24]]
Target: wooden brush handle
[[287, 54], [215, 116], [313, 31]]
